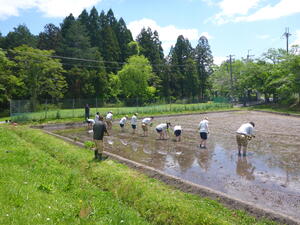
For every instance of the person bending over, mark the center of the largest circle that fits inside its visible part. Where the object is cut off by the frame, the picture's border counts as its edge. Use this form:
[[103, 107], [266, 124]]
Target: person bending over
[[108, 119], [203, 129], [162, 130], [177, 132], [145, 123], [123, 122], [133, 122], [243, 135]]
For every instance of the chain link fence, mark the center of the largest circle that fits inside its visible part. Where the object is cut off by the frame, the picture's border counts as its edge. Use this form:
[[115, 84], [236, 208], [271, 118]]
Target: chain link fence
[[25, 110]]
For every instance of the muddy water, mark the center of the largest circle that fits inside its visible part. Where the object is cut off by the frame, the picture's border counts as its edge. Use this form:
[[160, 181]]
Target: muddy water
[[269, 176]]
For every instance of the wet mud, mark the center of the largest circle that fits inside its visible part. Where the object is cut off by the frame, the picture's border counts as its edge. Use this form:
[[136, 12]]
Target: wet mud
[[269, 176]]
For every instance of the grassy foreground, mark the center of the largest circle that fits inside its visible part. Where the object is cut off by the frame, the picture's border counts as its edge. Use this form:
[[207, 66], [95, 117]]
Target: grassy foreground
[[44, 180]]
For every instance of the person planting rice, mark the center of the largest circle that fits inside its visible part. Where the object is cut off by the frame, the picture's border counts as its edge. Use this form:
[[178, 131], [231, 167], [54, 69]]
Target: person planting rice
[[99, 129], [108, 119], [177, 132], [162, 129], [97, 116], [145, 123], [133, 122], [90, 123], [244, 134], [123, 122], [203, 129]]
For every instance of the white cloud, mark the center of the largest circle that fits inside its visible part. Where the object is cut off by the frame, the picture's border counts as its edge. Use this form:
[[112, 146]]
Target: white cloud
[[231, 8], [50, 8], [218, 60], [167, 34], [253, 10], [281, 9], [263, 36]]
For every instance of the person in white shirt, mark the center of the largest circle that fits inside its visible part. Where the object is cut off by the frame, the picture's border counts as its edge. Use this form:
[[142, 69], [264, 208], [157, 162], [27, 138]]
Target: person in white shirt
[[123, 122], [177, 132], [133, 122], [243, 135], [145, 123], [162, 130], [97, 116], [203, 129], [90, 123], [108, 120]]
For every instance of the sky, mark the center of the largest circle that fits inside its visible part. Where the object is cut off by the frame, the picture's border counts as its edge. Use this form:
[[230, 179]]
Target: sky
[[232, 27]]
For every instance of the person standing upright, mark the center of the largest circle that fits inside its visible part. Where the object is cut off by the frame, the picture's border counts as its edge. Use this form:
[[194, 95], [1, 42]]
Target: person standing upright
[[87, 111], [99, 129], [203, 129], [243, 135]]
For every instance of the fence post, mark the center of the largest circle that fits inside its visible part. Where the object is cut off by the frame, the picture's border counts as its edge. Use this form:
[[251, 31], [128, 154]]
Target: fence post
[[96, 105], [10, 108], [73, 106], [46, 109]]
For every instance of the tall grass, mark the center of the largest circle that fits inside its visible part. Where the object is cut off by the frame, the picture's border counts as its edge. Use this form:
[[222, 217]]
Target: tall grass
[[152, 109]]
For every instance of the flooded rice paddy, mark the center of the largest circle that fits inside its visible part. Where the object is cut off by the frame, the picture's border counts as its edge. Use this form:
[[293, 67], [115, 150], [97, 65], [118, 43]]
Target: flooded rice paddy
[[269, 176]]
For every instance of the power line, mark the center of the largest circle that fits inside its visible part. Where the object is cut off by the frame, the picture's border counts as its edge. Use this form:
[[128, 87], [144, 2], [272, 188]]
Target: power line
[[96, 61], [230, 70]]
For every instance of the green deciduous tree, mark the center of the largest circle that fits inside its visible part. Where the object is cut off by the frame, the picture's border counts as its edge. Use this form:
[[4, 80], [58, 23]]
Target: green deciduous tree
[[42, 75], [134, 78], [9, 83]]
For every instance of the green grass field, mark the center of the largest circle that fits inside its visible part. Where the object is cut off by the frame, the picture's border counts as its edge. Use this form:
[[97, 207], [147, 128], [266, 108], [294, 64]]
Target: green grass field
[[44, 180], [277, 108], [146, 110]]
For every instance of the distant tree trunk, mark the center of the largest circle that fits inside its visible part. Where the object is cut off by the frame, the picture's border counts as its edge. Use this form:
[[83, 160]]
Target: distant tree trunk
[[267, 100]]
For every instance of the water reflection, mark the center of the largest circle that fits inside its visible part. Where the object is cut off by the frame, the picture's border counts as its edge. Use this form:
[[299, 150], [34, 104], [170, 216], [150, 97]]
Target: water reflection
[[204, 158], [245, 168]]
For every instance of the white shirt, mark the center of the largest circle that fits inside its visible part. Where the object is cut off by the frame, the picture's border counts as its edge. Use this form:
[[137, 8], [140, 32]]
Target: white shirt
[[109, 116], [133, 120], [246, 129], [123, 120], [91, 121], [147, 120], [203, 126], [96, 118], [162, 126], [177, 127]]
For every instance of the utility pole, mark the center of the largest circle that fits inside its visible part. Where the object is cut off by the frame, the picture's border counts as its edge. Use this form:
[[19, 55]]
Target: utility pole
[[249, 56], [230, 70], [286, 35]]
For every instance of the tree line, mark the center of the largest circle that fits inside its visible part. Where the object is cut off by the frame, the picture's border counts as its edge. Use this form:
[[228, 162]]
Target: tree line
[[275, 76], [95, 55]]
